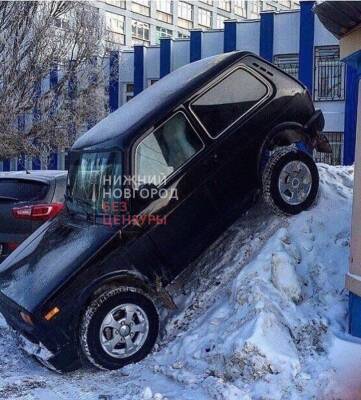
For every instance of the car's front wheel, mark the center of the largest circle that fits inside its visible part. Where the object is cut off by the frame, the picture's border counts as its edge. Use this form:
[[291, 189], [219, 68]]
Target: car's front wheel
[[120, 327], [290, 181]]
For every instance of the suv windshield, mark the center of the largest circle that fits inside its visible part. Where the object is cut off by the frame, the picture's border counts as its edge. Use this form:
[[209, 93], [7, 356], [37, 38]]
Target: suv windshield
[[94, 180]]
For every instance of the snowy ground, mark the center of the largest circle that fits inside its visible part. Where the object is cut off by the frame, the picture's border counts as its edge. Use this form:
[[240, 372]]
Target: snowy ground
[[263, 316]]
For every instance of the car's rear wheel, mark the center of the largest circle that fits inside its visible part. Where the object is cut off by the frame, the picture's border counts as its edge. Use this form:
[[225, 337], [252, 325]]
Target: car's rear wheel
[[120, 327], [290, 181]]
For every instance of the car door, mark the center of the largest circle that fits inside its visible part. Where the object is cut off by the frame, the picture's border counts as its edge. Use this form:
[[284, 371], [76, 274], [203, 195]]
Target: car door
[[222, 109], [172, 160]]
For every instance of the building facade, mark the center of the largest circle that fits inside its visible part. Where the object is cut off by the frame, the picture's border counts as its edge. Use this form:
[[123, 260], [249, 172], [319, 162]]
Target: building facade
[[294, 40], [147, 21]]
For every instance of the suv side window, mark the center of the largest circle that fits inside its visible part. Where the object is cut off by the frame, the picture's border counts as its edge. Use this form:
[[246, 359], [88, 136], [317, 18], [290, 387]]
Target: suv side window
[[165, 150], [226, 102]]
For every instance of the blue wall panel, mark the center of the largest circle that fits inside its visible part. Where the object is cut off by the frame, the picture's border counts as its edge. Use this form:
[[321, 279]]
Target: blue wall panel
[[307, 36], [195, 46], [230, 36], [165, 56], [6, 165], [354, 319], [350, 115], [138, 69], [266, 36]]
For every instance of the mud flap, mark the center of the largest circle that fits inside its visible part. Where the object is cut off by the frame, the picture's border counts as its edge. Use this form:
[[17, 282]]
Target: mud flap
[[322, 144]]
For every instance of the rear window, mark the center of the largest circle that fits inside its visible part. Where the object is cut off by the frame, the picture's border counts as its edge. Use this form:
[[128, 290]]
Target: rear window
[[22, 190]]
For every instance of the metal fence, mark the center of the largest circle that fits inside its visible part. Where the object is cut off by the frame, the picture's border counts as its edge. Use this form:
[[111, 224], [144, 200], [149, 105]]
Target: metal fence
[[329, 74], [288, 63], [336, 142]]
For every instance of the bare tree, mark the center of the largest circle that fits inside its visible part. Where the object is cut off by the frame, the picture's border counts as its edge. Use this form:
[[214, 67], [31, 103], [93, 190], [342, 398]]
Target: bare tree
[[52, 77]]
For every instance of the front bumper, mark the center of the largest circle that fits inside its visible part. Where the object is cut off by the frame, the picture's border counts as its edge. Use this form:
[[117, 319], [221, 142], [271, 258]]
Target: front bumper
[[36, 350], [39, 351], [46, 344]]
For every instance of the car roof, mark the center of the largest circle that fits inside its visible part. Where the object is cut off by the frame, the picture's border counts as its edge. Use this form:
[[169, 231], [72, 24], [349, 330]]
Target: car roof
[[36, 175], [147, 108]]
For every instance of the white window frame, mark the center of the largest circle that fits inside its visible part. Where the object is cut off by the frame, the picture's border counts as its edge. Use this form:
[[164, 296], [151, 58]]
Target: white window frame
[[204, 14], [141, 38], [182, 5]]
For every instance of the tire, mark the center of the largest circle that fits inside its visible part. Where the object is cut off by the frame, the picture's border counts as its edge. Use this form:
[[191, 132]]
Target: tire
[[135, 320], [280, 179]]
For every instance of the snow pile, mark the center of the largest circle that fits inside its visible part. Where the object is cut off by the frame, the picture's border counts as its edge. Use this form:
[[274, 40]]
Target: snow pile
[[269, 328], [257, 317]]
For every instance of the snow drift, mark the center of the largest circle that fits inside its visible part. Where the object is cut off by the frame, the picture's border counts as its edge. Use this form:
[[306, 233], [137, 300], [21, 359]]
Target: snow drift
[[257, 316]]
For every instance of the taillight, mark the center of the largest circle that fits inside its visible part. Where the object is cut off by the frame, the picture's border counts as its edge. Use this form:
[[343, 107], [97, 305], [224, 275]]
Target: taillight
[[38, 212], [11, 246]]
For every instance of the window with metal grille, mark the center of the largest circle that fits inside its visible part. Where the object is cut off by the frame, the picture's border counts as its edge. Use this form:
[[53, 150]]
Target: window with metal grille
[[288, 63], [329, 72], [336, 142]]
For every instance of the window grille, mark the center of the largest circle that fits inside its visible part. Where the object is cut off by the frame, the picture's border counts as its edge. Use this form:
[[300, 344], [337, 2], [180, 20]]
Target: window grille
[[329, 71], [336, 142], [288, 63]]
